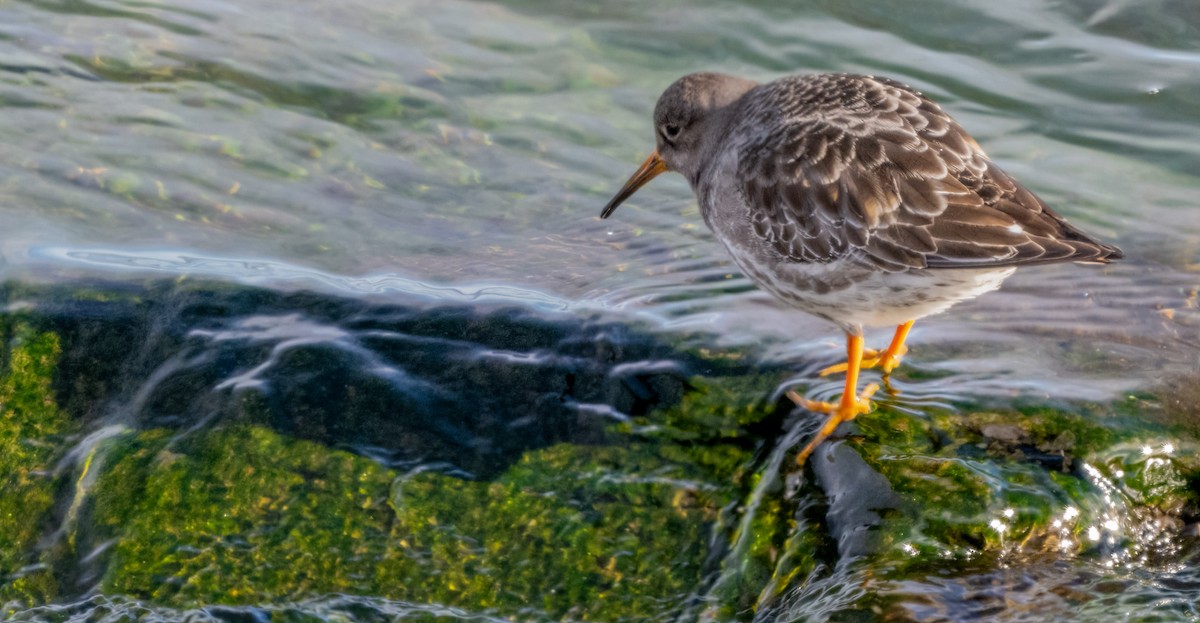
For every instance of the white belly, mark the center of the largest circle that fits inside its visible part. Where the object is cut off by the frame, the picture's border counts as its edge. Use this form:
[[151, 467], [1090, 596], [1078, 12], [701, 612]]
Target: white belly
[[867, 298]]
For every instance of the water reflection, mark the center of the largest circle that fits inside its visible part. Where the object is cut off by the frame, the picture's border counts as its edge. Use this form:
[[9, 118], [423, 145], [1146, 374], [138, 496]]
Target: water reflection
[[1116, 551], [431, 381], [281, 275], [331, 608]]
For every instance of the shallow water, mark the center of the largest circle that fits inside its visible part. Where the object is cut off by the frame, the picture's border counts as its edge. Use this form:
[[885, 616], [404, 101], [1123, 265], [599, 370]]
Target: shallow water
[[465, 144], [423, 164]]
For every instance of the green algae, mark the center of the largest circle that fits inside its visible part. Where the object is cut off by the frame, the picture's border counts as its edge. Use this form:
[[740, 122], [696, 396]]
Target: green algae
[[244, 515], [32, 430], [727, 427], [626, 529], [595, 533], [717, 408], [237, 515], [714, 426], [986, 487]]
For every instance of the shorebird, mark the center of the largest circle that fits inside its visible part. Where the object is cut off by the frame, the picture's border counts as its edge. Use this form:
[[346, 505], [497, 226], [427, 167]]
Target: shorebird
[[854, 198]]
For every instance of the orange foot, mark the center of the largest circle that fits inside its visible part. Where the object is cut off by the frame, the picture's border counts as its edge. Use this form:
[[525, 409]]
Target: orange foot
[[843, 411], [851, 404]]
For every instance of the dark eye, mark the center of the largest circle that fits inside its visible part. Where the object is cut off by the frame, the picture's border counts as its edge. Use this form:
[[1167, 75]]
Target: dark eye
[[670, 131]]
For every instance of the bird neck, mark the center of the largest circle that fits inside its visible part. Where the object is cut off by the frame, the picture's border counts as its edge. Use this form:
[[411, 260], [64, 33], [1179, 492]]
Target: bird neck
[[712, 145]]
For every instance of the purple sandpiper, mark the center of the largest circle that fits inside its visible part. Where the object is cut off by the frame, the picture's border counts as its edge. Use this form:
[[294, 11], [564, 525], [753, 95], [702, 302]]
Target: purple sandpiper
[[854, 198]]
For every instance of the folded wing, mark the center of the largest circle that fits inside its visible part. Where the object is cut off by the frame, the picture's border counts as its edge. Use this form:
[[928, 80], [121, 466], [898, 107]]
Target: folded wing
[[866, 169]]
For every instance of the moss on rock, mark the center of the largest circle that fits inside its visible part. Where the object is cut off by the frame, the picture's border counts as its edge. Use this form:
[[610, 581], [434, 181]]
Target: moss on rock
[[988, 486], [239, 515], [32, 429], [594, 532]]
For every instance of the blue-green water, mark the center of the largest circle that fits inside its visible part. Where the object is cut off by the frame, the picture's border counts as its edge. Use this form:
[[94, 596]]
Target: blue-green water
[[359, 146], [455, 155]]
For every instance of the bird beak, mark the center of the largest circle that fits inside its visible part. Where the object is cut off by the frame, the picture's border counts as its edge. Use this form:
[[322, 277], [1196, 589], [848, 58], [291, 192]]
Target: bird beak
[[650, 169]]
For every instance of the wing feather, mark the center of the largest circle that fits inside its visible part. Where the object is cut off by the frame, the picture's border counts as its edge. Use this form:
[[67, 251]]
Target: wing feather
[[865, 168]]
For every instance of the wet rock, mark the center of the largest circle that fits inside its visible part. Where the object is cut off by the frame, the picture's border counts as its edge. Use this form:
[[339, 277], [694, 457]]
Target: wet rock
[[857, 496], [245, 515], [470, 386], [1005, 433], [33, 438]]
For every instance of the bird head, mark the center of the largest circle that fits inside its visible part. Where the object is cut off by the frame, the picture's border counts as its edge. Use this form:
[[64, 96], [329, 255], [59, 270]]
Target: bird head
[[684, 121]]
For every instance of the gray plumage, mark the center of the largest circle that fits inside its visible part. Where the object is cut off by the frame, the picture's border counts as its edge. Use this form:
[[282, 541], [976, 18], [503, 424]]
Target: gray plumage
[[822, 183], [838, 165]]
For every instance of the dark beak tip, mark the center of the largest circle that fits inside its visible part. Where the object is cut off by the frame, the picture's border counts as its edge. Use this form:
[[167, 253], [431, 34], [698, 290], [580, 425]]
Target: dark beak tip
[[614, 204]]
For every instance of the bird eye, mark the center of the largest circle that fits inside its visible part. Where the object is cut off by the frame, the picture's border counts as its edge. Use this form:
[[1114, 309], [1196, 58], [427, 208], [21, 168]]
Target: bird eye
[[670, 131]]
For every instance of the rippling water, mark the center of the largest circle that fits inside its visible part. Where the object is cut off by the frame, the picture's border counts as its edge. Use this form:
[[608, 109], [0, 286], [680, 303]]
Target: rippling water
[[472, 143], [457, 153]]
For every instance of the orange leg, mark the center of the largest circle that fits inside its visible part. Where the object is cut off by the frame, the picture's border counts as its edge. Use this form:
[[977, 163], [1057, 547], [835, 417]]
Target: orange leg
[[887, 360], [851, 405]]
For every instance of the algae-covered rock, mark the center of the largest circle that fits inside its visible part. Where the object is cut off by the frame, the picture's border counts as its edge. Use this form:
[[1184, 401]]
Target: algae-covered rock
[[989, 487], [609, 486], [957, 504], [615, 531], [32, 428], [238, 515], [592, 533]]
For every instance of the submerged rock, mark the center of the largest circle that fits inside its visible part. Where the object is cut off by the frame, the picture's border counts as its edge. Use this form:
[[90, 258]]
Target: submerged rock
[[199, 447], [859, 498]]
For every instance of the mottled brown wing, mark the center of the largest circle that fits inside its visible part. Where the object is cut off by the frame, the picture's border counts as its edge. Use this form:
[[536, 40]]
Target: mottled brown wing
[[866, 169]]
